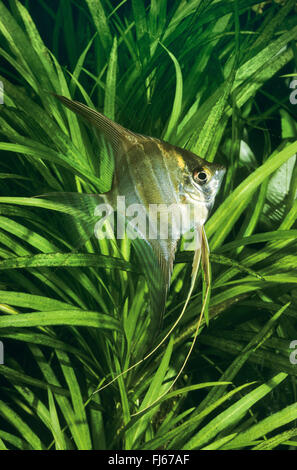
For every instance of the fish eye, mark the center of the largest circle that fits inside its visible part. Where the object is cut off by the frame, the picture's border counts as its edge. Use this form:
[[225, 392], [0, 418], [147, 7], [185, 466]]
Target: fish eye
[[201, 175]]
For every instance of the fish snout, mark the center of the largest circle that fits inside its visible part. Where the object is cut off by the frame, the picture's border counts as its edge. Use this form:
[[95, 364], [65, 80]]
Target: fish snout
[[219, 175]]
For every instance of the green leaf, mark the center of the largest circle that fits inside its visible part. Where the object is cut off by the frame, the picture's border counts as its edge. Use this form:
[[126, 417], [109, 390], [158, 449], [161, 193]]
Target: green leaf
[[275, 441], [77, 401], [110, 90], [60, 317], [66, 260], [263, 427], [233, 413], [56, 429], [100, 20], [177, 104], [16, 421], [228, 213]]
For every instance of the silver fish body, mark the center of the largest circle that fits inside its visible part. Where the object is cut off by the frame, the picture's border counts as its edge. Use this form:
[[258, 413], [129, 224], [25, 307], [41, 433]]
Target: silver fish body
[[150, 173]]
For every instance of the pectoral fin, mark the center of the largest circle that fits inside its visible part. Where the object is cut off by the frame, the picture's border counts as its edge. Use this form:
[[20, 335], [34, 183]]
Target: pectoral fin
[[78, 213], [155, 257]]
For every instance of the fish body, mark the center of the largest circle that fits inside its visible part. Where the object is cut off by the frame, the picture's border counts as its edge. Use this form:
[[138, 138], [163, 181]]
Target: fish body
[[154, 175]]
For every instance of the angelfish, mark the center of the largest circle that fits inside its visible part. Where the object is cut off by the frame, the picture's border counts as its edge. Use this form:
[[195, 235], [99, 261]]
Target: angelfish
[[150, 171]]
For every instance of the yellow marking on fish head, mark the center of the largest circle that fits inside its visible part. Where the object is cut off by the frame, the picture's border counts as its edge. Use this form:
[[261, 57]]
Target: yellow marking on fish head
[[180, 161], [170, 152]]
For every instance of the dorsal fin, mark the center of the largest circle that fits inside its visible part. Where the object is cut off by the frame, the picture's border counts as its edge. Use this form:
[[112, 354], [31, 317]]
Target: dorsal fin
[[113, 132]]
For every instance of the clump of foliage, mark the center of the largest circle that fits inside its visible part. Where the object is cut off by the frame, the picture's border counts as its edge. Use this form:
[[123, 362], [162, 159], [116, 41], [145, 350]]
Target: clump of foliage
[[212, 76]]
